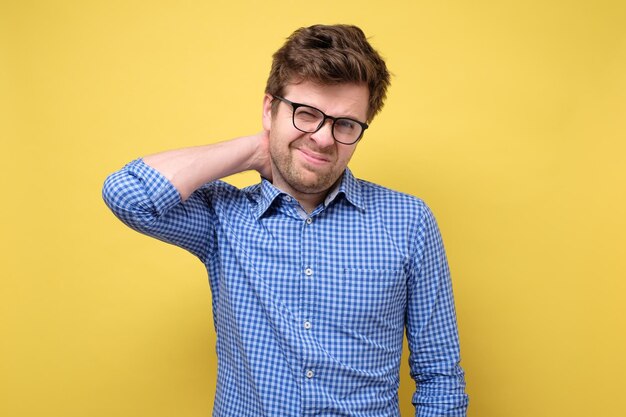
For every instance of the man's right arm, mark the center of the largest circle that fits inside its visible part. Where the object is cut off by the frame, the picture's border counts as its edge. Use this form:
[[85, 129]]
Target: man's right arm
[[156, 195], [189, 168]]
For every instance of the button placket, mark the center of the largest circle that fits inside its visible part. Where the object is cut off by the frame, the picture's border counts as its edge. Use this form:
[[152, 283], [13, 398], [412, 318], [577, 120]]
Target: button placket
[[307, 307]]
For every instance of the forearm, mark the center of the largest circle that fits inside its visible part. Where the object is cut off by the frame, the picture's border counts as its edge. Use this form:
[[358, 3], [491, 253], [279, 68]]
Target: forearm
[[189, 168]]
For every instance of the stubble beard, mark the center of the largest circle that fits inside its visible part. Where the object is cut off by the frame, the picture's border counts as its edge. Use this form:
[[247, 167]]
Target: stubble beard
[[297, 179]]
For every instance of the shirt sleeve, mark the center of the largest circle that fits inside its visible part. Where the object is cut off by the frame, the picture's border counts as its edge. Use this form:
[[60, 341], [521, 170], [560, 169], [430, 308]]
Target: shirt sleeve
[[432, 328], [143, 199]]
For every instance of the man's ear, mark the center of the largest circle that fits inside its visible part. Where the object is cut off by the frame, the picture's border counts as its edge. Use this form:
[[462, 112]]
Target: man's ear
[[267, 112]]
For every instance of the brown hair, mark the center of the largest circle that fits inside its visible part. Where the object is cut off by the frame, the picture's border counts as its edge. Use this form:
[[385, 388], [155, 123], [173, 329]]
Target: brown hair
[[330, 55]]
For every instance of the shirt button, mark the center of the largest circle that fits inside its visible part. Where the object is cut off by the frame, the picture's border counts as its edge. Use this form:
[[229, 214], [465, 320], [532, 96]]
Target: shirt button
[[307, 325], [310, 374], [308, 272], [288, 199], [309, 220]]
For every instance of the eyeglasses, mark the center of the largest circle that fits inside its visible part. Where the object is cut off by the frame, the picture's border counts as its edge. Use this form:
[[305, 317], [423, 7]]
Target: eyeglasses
[[309, 120]]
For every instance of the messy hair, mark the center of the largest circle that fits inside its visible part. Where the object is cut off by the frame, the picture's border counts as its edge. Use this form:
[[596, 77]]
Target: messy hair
[[330, 55]]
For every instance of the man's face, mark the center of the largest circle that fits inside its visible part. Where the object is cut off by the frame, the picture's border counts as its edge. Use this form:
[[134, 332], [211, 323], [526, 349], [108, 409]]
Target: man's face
[[311, 163]]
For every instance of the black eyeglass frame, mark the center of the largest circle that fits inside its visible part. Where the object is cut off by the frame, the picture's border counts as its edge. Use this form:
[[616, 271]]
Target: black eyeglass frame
[[295, 106]]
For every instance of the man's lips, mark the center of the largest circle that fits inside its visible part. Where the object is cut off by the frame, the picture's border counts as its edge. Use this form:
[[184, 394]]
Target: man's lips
[[313, 157]]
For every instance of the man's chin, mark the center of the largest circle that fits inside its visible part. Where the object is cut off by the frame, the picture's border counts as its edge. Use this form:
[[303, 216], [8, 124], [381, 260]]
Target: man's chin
[[314, 186]]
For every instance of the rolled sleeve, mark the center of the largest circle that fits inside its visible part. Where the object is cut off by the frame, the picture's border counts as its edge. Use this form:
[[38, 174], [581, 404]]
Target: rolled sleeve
[[145, 200], [432, 327]]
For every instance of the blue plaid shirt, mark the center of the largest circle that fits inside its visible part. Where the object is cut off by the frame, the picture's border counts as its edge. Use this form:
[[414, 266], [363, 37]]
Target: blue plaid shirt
[[310, 310]]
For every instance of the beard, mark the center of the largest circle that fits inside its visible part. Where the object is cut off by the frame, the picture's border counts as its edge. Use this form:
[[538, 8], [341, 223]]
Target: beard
[[301, 177]]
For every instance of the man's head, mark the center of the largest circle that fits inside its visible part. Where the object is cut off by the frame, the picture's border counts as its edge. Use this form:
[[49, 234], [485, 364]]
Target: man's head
[[326, 82], [328, 55]]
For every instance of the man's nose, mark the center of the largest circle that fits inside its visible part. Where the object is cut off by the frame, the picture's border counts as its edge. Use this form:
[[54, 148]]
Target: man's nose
[[324, 136]]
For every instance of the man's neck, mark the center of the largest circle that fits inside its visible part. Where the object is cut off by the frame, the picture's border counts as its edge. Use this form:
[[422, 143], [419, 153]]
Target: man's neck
[[309, 201]]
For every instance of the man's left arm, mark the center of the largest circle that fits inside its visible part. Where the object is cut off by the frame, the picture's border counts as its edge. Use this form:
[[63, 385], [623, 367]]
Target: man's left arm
[[432, 328]]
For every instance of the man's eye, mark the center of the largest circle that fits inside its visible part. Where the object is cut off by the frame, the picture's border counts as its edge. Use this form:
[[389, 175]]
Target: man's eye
[[308, 115], [345, 125]]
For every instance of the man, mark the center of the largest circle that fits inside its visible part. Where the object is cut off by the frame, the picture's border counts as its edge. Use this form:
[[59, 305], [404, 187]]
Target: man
[[315, 275]]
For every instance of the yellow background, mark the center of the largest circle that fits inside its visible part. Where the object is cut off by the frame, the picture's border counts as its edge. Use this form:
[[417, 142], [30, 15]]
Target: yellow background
[[507, 117]]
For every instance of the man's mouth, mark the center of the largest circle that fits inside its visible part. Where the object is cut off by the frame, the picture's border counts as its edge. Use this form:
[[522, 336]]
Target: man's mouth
[[314, 157]]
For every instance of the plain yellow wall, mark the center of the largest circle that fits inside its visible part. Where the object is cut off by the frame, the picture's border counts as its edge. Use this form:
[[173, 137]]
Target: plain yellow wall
[[507, 117]]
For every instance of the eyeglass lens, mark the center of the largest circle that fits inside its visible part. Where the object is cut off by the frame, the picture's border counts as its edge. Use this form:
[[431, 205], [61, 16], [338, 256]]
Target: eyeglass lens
[[309, 119]]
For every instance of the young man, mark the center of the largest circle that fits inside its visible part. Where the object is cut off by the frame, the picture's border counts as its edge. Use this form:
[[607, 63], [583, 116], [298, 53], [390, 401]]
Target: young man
[[315, 275]]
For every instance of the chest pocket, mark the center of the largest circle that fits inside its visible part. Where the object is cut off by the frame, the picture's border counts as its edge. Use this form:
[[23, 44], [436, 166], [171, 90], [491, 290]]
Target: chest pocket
[[373, 300]]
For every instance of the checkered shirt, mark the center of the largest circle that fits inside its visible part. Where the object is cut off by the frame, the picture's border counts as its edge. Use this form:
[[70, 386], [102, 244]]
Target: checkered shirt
[[310, 310]]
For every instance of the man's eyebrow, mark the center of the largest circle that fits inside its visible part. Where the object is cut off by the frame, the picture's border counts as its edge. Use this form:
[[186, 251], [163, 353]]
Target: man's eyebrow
[[343, 116], [351, 116]]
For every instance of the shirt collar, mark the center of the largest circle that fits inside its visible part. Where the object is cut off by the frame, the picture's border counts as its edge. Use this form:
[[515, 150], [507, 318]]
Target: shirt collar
[[349, 186], [265, 197]]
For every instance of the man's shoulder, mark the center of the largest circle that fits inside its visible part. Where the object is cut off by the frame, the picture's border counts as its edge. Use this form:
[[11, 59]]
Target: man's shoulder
[[221, 193], [381, 195], [221, 187], [401, 214]]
